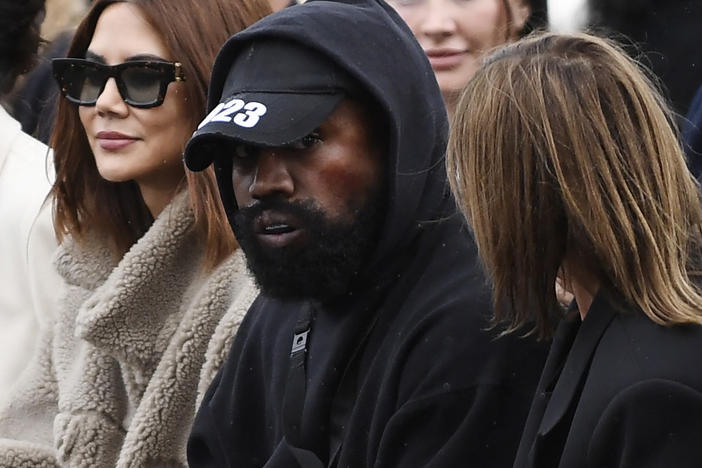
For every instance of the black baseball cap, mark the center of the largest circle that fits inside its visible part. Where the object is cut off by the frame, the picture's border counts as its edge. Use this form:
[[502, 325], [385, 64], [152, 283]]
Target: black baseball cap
[[275, 93]]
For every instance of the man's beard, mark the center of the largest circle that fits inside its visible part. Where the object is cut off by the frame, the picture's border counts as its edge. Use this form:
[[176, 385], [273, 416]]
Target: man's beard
[[328, 261]]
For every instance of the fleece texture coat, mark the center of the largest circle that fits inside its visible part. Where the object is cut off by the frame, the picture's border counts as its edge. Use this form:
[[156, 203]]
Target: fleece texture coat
[[399, 370], [116, 381]]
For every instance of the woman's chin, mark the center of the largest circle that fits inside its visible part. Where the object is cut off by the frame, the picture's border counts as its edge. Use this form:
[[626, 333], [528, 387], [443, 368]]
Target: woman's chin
[[115, 176]]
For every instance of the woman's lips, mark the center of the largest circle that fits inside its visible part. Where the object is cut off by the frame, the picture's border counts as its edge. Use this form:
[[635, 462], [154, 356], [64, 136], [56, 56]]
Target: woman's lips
[[113, 141], [445, 59], [276, 230]]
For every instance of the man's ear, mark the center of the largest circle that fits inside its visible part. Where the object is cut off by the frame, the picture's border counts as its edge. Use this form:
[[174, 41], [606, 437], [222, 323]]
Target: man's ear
[[521, 9]]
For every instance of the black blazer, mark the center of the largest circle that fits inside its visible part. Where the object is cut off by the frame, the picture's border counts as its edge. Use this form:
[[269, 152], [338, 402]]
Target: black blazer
[[617, 390]]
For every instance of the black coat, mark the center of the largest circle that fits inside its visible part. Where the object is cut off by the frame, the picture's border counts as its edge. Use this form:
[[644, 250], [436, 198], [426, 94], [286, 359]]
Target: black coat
[[426, 385], [617, 391]]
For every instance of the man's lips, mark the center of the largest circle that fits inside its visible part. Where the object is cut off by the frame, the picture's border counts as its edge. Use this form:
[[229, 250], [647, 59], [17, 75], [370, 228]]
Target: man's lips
[[276, 229], [112, 141]]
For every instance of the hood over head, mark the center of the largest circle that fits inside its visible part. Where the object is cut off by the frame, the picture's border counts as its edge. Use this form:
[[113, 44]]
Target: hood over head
[[347, 44]]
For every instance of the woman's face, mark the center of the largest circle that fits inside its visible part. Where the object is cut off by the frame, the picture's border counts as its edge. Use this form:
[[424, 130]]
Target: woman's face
[[129, 143], [456, 33]]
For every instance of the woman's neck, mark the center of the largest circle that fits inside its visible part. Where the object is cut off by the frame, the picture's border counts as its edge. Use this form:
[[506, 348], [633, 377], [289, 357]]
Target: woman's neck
[[584, 295], [156, 198], [582, 282]]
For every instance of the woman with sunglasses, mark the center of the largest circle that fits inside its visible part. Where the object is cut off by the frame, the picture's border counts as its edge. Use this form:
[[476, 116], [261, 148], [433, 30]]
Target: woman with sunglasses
[[155, 285], [565, 160]]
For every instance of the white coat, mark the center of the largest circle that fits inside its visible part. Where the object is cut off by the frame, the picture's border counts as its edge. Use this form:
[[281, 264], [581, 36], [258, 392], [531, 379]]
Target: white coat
[[28, 282], [117, 380]]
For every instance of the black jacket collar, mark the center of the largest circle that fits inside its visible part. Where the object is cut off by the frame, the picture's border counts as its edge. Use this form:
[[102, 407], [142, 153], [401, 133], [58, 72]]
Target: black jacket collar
[[566, 389], [567, 365]]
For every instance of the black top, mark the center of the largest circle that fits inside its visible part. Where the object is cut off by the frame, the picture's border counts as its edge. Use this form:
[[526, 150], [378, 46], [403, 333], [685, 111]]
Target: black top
[[617, 391], [429, 386], [433, 389]]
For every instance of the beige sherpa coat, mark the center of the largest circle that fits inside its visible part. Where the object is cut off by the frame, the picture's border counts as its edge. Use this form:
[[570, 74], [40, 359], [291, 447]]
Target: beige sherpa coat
[[117, 379]]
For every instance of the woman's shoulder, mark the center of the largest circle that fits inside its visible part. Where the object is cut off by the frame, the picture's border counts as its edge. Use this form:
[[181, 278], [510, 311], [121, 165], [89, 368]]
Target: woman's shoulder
[[638, 382], [643, 335], [638, 349]]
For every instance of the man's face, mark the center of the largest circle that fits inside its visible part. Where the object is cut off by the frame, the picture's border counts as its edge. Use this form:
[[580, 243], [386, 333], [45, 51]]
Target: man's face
[[309, 212]]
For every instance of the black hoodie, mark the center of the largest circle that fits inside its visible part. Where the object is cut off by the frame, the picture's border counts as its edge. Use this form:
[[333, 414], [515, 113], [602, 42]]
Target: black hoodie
[[425, 384]]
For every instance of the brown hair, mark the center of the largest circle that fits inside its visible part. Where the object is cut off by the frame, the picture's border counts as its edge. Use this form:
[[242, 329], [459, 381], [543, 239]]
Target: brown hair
[[560, 146], [194, 32]]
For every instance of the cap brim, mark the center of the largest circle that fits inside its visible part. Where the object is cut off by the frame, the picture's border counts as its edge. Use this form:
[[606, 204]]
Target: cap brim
[[287, 118]]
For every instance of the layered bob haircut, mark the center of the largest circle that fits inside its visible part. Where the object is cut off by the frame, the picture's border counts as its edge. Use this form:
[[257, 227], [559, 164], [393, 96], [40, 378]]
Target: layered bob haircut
[[560, 146], [193, 31]]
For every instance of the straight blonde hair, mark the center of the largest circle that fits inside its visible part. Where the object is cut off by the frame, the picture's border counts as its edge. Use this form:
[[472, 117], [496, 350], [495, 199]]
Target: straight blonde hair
[[561, 145]]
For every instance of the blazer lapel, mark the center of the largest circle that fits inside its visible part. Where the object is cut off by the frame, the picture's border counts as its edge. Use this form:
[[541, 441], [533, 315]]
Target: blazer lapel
[[565, 370], [562, 341], [578, 362]]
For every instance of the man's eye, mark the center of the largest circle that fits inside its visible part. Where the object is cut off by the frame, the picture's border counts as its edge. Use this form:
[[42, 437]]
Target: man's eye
[[243, 152], [306, 141]]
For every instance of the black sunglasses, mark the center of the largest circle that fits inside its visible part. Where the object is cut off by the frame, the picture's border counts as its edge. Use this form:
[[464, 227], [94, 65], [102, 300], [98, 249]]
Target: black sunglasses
[[141, 83]]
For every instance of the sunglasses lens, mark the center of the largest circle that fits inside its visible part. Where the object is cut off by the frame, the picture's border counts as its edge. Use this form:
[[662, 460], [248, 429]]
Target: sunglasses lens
[[91, 85], [142, 84], [81, 83]]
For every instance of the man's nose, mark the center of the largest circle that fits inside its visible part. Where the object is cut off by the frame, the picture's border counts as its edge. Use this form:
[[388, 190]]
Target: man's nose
[[272, 175]]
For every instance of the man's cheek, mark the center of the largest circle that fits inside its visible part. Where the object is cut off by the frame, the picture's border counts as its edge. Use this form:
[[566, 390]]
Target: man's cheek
[[241, 192]]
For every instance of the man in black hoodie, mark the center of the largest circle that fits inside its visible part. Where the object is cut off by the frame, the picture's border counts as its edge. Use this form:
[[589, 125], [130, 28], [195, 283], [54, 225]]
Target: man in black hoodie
[[368, 345]]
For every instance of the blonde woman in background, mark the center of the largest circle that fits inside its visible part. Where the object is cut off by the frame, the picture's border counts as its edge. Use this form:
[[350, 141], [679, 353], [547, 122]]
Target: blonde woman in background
[[33, 101], [455, 34], [564, 159]]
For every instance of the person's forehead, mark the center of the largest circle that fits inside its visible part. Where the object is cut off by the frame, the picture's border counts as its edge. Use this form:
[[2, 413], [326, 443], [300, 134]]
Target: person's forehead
[[350, 113]]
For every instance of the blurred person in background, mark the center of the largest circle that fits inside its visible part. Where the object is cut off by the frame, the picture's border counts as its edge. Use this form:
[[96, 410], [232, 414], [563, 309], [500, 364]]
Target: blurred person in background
[[34, 99], [27, 278], [455, 34], [692, 135], [662, 34], [62, 16], [564, 158], [664, 30], [155, 284]]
